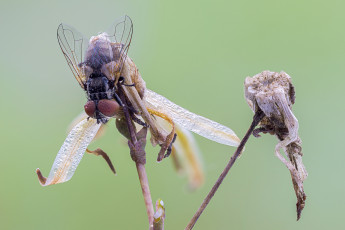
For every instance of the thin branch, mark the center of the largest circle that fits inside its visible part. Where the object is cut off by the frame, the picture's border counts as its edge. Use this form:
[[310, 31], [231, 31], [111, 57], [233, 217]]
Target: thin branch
[[146, 192], [137, 144], [256, 119]]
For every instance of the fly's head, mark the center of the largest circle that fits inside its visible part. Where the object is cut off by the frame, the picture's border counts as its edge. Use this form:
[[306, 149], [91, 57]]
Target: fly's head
[[102, 110]]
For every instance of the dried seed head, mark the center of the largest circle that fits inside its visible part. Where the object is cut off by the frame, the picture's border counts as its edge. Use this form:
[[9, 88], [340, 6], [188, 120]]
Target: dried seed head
[[264, 85], [274, 94]]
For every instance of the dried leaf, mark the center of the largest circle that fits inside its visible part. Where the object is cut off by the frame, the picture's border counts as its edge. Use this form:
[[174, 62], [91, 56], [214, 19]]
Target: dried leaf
[[187, 154], [191, 121], [100, 152], [71, 152]]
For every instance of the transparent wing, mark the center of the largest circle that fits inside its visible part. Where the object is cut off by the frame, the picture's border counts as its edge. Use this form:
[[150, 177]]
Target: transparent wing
[[71, 152], [120, 35], [191, 121], [73, 45]]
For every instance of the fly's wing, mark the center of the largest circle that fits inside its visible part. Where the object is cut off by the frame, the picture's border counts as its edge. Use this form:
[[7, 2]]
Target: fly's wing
[[71, 152], [120, 36], [191, 121], [73, 46]]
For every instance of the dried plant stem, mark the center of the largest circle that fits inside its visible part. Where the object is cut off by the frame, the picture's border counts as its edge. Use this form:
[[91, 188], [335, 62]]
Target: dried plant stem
[[146, 192], [256, 119], [138, 155]]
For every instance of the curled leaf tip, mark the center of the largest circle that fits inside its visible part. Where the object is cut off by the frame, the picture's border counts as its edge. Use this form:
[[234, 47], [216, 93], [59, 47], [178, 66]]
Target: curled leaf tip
[[71, 152], [41, 178], [161, 154]]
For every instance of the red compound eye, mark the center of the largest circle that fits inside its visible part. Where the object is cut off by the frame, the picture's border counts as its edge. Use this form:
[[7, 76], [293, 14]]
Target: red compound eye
[[108, 108], [90, 108]]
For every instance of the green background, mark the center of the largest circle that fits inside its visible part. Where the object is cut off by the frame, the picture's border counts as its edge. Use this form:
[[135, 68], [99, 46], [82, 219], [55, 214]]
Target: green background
[[197, 54]]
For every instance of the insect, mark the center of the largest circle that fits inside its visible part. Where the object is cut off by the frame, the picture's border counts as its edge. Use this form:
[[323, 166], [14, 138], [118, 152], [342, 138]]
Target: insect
[[102, 68], [97, 64]]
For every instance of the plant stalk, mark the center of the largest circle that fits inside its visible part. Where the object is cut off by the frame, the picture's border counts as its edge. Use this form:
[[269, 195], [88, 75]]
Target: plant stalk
[[146, 192], [138, 155], [256, 119]]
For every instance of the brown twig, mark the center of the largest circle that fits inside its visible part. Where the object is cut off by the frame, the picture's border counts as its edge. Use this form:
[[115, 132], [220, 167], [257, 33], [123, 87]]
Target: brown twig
[[256, 119], [137, 144]]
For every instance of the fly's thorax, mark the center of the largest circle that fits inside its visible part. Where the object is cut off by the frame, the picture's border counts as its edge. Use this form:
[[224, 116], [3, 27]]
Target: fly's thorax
[[98, 52], [99, 87], [105, 55]]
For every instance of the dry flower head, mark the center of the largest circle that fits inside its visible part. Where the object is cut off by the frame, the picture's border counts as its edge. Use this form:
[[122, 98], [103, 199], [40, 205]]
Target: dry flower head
[[274, 94]]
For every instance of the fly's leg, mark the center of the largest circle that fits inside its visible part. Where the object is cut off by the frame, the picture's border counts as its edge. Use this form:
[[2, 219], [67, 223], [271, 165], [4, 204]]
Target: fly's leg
[[167, 145], [122, 82], [118, 100], [138, 121], [128, 85]]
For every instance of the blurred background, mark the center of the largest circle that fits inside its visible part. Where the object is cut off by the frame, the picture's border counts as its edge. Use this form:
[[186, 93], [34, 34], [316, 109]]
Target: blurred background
[[197, 54]]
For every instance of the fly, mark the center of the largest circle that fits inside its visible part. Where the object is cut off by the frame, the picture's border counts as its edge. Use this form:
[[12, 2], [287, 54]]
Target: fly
[[103, 69], [97, 65]]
